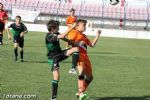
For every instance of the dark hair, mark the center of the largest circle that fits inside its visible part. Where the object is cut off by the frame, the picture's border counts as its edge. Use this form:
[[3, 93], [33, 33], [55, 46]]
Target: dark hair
[[72, 9], [18, 17], [1, 4], [81, 21], [52, 24]]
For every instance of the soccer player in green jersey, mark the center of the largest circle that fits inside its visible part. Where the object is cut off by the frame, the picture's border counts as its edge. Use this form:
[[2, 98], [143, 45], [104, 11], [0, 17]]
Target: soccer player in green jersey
[[18, 31], [55, 53]]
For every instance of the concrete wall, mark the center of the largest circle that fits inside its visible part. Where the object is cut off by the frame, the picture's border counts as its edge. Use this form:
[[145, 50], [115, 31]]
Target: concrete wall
[[89, 31]]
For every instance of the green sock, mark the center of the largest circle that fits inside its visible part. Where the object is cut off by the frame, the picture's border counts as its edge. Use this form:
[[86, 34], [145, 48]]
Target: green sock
[[21, 54], [75, 58], [54, 88], [1, 36], [16, 52]]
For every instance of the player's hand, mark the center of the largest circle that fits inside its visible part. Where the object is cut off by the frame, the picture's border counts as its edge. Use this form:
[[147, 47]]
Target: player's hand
[[22, 34], [9, 37], [99, 32], [1, 18], [81, 43], [74, 25]]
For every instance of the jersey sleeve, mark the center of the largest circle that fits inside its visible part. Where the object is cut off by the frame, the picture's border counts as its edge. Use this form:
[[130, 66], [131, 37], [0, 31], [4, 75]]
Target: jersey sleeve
[[5, 15], [87, 41], [24, 27], [67, 20], [52, 37], [10, 26]]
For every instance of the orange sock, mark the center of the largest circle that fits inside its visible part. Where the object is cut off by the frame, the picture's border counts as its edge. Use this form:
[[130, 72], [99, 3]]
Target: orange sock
[[85, 85], [81, 85]]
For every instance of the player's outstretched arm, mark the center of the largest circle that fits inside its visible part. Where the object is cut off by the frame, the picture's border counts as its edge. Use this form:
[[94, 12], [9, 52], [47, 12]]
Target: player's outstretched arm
[[93, 43], [75, 44], [8, 32], [63, 35]]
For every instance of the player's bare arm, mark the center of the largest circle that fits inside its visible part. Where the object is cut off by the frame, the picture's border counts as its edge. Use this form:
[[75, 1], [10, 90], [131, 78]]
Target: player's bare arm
[[74, 44], [67, 32], [9, 34], [93, 43], [22, 33]]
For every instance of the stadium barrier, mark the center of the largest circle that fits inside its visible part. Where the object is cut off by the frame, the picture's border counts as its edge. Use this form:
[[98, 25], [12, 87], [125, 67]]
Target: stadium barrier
[[91, 31]]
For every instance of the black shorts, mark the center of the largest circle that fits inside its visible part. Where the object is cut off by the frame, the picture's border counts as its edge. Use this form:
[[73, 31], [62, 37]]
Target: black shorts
[[19, 40], [56, 58], [2, 26]]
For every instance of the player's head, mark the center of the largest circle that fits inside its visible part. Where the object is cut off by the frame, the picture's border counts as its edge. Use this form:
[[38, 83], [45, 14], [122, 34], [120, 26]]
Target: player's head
[[1, 6], [81, 25], [53, 26], [18, 19], [72, 12]]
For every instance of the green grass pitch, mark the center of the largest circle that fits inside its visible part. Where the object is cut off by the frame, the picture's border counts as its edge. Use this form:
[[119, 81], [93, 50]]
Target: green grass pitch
[[121, 69]]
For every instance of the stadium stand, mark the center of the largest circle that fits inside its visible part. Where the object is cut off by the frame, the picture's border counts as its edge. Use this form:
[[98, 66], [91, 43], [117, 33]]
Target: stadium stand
[[86, 10]]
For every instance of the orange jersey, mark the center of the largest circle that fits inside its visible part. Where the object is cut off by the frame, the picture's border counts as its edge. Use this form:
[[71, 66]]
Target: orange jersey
[[78, 36], [71, 20], [84, 60]]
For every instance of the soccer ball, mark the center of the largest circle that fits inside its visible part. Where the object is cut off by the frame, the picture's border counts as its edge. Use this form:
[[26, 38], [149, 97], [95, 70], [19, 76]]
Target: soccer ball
[[114, 2]]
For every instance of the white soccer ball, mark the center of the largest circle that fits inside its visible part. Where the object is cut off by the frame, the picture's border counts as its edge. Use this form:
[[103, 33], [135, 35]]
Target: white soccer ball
[[114, 2]]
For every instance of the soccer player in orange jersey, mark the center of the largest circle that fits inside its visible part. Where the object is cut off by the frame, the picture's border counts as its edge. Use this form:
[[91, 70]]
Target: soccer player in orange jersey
[[3, 19], [84, 64], [71, 19]]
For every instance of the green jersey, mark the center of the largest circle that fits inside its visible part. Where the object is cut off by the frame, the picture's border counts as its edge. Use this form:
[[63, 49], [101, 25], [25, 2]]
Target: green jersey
[[17, 30], [52, 44]]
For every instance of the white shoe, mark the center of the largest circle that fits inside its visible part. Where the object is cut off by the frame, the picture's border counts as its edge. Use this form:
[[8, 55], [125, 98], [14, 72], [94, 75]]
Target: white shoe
[[72, 71], [77, 94]]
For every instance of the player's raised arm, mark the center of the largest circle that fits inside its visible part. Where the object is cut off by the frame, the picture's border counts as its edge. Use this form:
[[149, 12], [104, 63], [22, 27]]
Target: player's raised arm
[[93, 43], [75, 44], [63, 35]]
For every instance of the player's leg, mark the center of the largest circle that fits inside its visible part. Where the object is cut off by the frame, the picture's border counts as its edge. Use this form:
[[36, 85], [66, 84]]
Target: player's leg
[[55, 68], [1, 37], [67, 45], [75, 57], [81, 82], [65, 54], [21, 45], [55, 81], [15, 51], [85, 69], [80, 77], [21, 54], [2, 25], [16, 43], [69, 52], [88, 73]]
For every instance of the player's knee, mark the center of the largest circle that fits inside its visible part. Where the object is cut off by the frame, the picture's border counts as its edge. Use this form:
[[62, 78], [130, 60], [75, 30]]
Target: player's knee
[[89, 79], [55, 66], [21, 48], [75, 49], [81, 77], [15, 47]]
